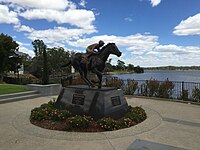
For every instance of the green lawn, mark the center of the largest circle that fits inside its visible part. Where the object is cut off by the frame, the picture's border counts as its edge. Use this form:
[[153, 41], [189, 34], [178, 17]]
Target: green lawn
[[12, 88]]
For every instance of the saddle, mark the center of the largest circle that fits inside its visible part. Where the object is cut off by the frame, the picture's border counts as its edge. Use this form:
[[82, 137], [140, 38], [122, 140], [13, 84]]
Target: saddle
[[86, 58]]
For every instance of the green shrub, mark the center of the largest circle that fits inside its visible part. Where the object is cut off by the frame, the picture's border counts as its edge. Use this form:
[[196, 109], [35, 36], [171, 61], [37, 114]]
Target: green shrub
[[152, 86], [108, 124], [79, 121], [49, 112], [114, 82], [58, 115], [136, 114], [131, 87], [165, 89], [126, 122], [196, 94], [133, 116]]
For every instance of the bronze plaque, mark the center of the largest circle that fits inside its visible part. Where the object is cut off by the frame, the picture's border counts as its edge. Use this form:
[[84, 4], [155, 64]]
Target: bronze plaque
[[78, 99], [116, 100]]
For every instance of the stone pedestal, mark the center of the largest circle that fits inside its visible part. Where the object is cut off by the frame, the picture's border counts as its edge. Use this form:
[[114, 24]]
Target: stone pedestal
[[98, 103]]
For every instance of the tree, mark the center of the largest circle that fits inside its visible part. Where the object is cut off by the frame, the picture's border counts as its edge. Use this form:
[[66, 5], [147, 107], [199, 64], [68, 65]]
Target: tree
[[108, 67], [38, 47], [138, 69], [56, 58], [120, 65], [130, 67], [7, 49], [41, 58]]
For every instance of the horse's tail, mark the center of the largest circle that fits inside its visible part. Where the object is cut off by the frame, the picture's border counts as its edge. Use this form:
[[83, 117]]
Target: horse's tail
[[65, 65]]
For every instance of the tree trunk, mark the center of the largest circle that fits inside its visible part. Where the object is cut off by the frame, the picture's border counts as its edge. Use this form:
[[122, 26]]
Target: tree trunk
[[45, 74], [1, 77]]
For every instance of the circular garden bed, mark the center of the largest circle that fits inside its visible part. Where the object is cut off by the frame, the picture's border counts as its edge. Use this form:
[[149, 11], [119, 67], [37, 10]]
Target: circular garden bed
[[47, 116]]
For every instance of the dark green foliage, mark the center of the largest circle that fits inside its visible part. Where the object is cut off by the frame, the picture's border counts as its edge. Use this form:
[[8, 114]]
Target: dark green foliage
[[114, 82], [40, 58], [138, 69], [136, 114], [49, 112], [109, 124], [56, 58], [126, 122], [158, 89], [130, 67], [165, 89], [7, 49], [152, 86], [79, 121], [131, 87], [120, 65]]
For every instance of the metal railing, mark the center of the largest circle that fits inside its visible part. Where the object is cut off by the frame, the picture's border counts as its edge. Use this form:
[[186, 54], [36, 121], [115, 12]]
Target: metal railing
[[186, 91]]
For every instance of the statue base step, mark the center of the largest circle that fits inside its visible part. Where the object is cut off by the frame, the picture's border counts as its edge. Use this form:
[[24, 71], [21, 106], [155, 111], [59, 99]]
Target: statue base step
[[98, 103]]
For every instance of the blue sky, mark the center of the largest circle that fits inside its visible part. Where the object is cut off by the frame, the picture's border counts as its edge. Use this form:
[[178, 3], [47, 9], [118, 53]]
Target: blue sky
[[148, 32]]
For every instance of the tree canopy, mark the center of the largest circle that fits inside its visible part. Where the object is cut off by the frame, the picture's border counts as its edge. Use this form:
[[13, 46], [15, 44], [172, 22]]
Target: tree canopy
[[7, 50]]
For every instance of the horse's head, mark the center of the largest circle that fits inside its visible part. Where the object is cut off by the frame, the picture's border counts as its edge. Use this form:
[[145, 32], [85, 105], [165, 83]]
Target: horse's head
[[113, 49]]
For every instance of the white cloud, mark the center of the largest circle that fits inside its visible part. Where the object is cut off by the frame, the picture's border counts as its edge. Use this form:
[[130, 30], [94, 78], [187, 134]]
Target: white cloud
[[78, 17], [131, 42], [178, 50], [6, 16], [59, 34], [190, 26], [27, 51], [82, 3], [128, 19], [23, 28], [23, 49], [155, 2], [45, 4], [163, 55]]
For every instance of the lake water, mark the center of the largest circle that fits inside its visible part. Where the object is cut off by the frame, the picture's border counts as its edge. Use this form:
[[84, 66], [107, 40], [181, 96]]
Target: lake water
[[162, 75]]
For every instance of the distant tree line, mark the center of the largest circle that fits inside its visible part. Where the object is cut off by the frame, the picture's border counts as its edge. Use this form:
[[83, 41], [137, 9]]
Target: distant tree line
[[122, 67], [174, 68]]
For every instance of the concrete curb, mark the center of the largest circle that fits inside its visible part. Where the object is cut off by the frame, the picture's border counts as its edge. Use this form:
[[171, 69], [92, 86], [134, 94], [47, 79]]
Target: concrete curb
[[163, 99], [7, 98]]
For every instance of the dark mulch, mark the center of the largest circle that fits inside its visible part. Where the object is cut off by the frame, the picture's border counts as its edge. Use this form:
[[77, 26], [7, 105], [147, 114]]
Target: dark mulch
[[62, 126]]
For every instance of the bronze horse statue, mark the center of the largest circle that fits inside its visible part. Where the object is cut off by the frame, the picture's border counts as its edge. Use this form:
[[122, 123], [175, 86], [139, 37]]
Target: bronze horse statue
[[96, 63]]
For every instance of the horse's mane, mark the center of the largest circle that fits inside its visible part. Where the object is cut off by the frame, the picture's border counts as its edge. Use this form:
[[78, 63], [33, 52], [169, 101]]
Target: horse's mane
[[104, 47]]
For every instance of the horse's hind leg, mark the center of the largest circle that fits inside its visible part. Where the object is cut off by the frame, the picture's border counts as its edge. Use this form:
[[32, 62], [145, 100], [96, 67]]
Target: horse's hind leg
[[99, 75], [84, 77]]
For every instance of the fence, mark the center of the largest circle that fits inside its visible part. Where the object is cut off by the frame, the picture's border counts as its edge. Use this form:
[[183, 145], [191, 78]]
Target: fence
[[187, 91]]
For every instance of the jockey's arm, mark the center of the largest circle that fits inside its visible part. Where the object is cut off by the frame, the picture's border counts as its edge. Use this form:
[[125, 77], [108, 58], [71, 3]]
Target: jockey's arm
[[95, 47]]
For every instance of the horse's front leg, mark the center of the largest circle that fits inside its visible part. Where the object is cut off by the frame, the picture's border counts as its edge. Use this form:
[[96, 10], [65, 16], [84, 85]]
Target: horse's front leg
[[99, 75]]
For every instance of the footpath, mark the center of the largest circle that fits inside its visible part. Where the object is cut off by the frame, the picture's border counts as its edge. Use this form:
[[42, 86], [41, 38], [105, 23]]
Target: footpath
[[170, 125]]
